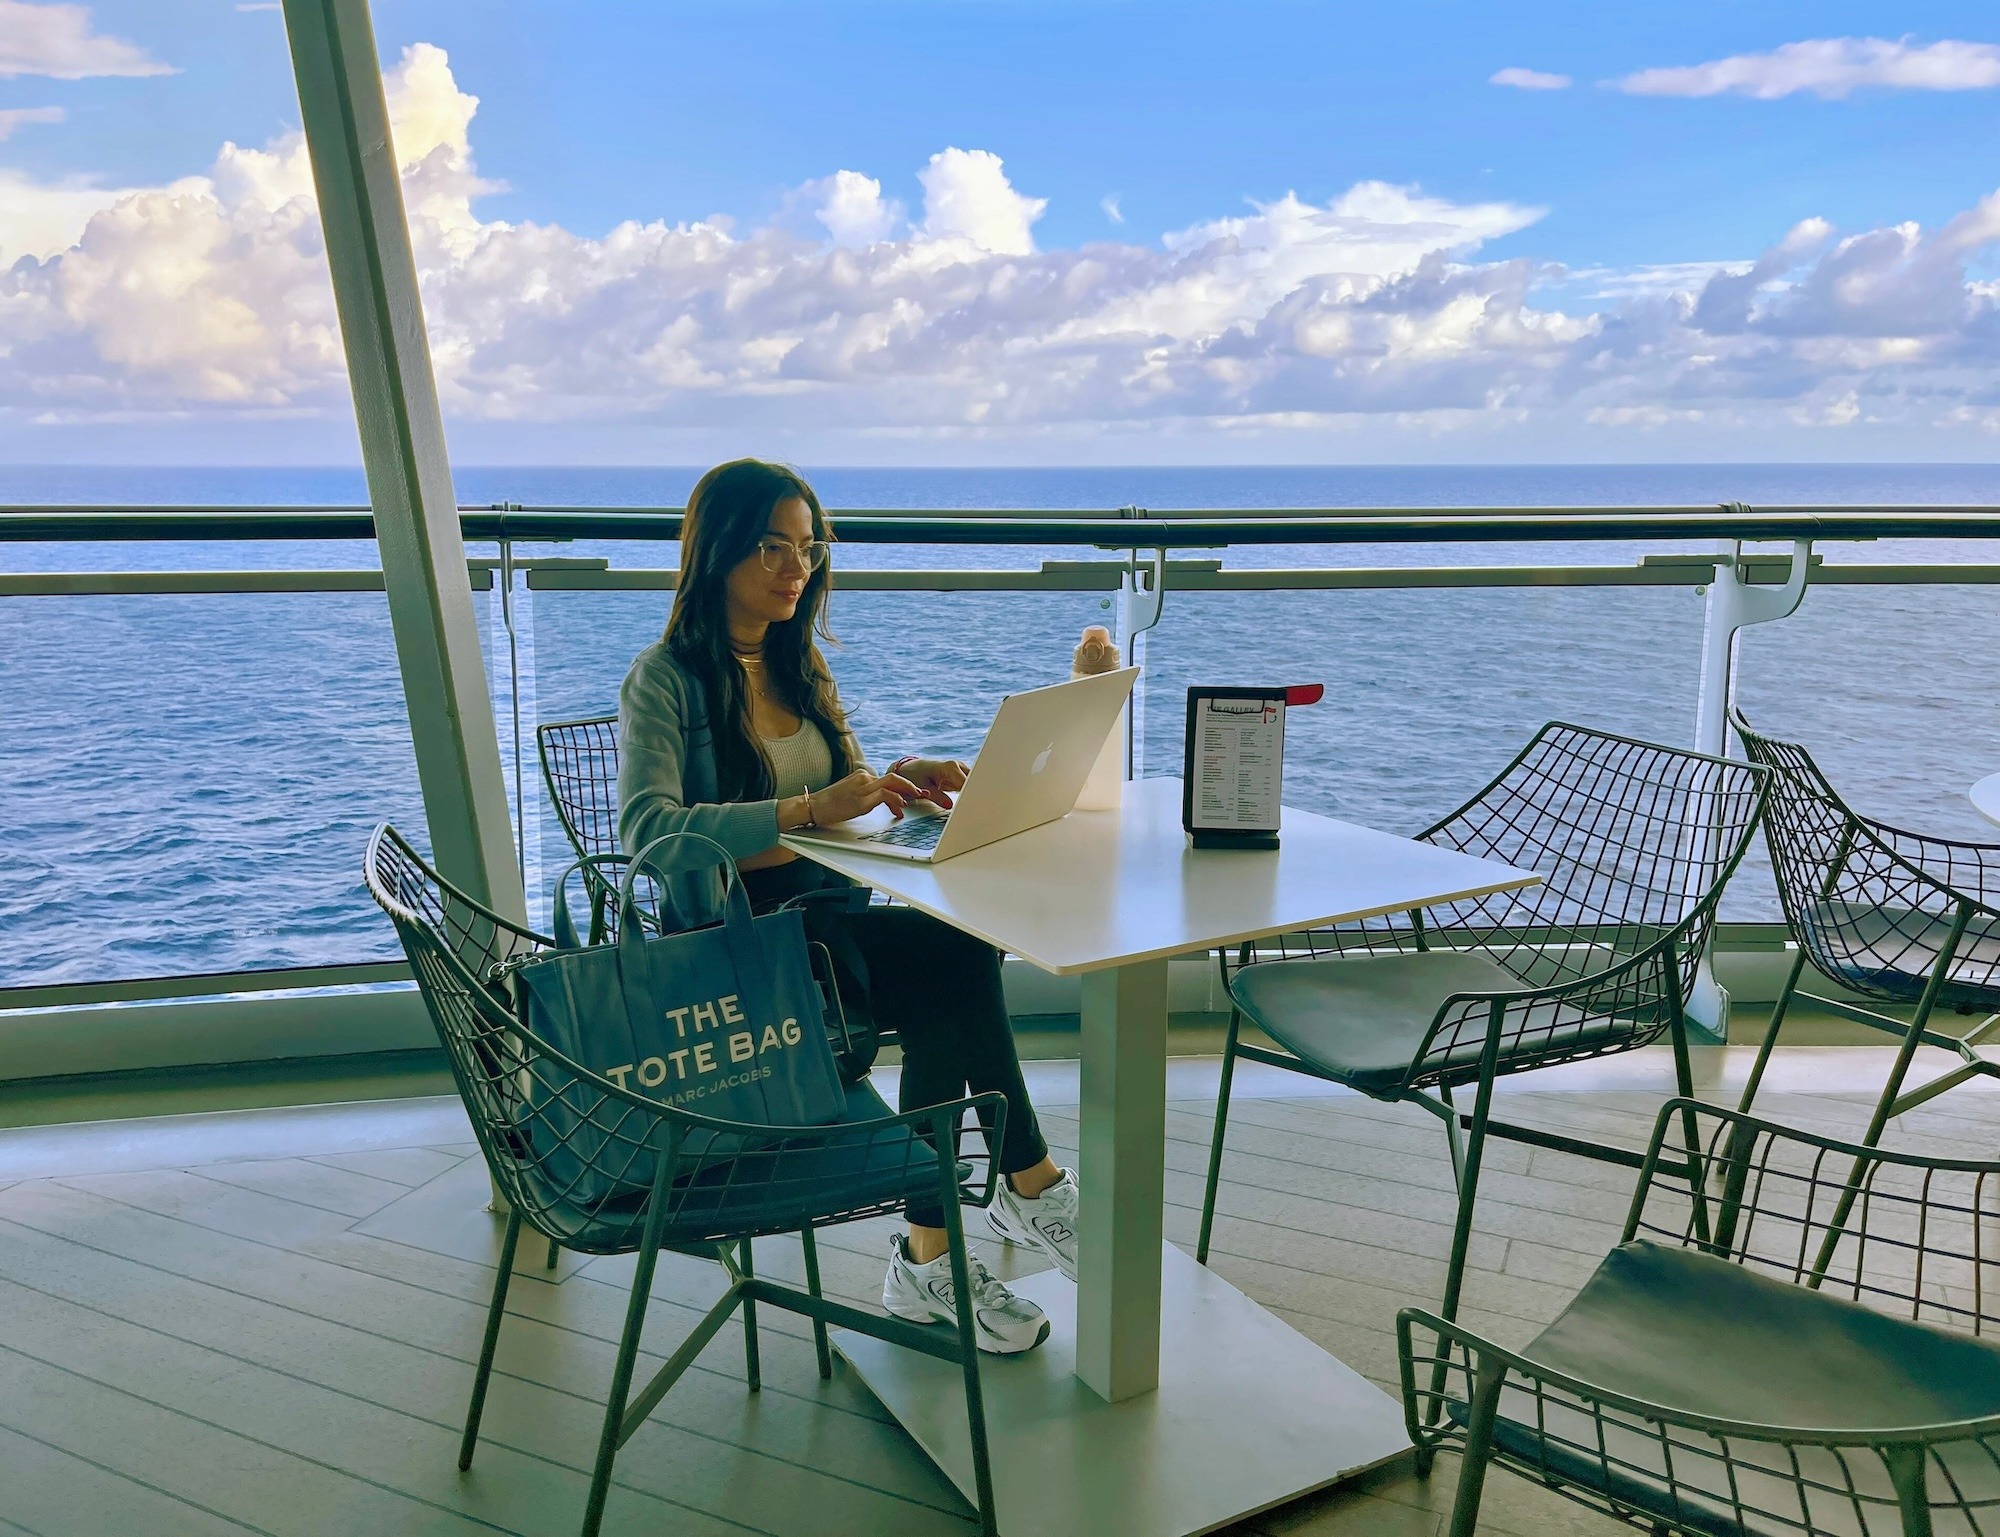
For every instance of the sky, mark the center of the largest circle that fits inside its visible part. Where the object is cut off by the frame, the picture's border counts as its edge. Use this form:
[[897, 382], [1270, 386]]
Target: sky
[[1009, 231]]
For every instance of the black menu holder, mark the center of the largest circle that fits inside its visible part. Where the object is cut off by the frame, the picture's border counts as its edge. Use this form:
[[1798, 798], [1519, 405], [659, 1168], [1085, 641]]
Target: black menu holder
[[1233, 764]]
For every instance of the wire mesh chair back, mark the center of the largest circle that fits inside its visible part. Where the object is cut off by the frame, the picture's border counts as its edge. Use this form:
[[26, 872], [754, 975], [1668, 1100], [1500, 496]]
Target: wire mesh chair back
[[1909, 1235], [1873, 905], [580, 767], [1920, 1242], [506, 1078], [1634, 843], [579, 1156], [1632, 840]]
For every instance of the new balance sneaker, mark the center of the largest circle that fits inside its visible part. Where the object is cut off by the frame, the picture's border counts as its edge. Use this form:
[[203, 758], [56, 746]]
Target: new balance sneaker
[[1048, 1222], [1005, 1324]]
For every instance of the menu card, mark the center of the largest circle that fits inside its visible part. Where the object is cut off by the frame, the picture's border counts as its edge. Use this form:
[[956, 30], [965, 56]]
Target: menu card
[[1233, 772]]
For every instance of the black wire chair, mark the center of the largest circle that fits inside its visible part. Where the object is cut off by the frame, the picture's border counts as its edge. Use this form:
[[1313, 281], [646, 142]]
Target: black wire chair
[[580, 767], [1753, 1362], [603, 1170], [1895, 916], [1633, 842]]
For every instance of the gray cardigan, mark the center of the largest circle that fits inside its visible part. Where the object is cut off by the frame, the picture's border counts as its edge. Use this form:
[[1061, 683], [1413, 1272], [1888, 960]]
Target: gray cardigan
[[667, 779]]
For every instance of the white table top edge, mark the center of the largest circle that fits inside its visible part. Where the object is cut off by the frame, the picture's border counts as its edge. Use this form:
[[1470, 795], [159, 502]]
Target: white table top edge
[[1985, 797], [1153, 800], [1168, 952]]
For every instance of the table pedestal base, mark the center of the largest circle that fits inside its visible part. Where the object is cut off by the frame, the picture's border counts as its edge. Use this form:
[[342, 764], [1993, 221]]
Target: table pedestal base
[[1249, 1414]]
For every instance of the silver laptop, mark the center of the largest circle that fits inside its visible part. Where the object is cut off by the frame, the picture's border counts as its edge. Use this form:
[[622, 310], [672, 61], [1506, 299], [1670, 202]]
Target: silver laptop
[[1030, 770]]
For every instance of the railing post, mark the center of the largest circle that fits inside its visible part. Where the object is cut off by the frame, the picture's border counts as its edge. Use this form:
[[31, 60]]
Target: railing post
[[355, 175], [1733, 605], [1142, 592]]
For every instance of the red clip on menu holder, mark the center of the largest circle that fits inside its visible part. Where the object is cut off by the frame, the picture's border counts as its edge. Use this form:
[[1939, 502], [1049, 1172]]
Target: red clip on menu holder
[[1233, 766]]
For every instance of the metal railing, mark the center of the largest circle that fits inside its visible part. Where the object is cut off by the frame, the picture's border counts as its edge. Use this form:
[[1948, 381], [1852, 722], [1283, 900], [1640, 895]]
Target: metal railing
[[1145, 574]]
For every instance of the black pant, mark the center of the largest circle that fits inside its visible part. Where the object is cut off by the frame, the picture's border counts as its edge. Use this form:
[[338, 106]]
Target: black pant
[[939, 990]]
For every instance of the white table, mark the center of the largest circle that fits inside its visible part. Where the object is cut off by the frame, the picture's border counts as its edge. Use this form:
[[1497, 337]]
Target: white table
[[1986, 798], [1116, 1424]]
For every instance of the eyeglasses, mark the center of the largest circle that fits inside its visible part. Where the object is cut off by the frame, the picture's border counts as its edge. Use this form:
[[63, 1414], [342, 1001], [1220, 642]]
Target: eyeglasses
[[773, 553]]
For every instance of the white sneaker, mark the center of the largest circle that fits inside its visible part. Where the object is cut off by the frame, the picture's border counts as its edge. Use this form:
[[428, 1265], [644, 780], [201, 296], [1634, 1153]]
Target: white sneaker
[[1048, 1222], [1005, 1324]]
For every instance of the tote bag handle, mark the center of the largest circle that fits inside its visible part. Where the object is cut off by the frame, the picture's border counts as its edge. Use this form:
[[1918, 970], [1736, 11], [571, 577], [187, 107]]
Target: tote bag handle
[[565, 925], [676, 853]]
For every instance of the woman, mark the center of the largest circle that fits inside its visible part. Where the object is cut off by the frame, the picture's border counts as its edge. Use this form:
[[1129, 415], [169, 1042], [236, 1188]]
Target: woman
[[729, 726]]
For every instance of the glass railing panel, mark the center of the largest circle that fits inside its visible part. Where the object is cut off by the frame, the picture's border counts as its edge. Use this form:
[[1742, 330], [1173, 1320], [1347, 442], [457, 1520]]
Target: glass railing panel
[[1429, 692], [191, 779], [1895, 690]]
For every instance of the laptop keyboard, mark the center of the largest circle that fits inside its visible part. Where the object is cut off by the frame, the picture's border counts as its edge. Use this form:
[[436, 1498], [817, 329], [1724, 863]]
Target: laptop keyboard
[[911, 833]]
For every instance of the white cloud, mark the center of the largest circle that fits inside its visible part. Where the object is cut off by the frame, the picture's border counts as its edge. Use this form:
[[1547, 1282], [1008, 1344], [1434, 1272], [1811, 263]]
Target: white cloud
[[967, 197], [1831, 67], [13, 117], [852, 208], [58, 41], [1529, 80], [209, 296], [1109, 203], [45, 219]]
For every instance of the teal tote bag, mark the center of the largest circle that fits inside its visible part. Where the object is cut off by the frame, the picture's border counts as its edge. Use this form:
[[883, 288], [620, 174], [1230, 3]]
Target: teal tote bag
[[724, 1020]]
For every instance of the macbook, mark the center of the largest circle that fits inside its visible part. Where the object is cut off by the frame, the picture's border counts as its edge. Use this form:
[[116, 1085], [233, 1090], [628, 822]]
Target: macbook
[[1030, 770]]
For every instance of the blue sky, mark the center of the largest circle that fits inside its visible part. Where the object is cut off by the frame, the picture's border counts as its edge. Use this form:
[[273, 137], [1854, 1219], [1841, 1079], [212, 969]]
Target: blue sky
[[1183, 116]]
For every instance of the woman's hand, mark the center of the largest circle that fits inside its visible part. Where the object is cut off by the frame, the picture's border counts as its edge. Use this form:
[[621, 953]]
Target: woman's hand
[[936, 779], [859, 793]]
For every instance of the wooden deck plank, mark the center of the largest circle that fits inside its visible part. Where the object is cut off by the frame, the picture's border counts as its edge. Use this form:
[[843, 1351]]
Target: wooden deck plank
[[408, 1166], [410, 1449], [309, 1182], [571, 1354], [307, 1326], [202, 1464], [51, 1492], [546, 1378]]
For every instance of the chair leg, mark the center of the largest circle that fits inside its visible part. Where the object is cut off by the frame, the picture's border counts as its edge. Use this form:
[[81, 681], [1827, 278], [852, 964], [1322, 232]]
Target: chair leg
[[496, 1311], [968, 1338], [1906, 1471], [1468, 1190], [1690, 1127], [1778, 1011], [1886, 1106], [1454, 1138], [820, 1348], [1215, 1142], [752, 1369], [621, 1373], [1488, 1379]]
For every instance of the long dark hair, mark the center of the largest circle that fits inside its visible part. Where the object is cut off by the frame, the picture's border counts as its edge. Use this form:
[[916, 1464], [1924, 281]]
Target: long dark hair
[[728, 512]]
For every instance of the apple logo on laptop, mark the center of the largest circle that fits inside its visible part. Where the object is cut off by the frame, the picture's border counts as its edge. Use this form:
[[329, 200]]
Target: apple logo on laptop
[[1042, 759]]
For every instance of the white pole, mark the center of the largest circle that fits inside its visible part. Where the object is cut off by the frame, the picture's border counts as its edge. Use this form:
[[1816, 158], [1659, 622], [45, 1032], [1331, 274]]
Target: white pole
[[1733, 604], [374, 272]]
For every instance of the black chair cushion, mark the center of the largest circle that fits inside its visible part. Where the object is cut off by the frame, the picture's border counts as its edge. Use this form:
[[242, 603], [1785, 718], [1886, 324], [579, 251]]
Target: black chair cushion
[[1362, 1019], [1700, 1336], [1888, 953], [1693, 1332], [773, 1189], [815, 1179]]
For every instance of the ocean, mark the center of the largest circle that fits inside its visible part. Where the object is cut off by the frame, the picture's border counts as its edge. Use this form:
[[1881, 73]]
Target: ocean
[[188, 781]]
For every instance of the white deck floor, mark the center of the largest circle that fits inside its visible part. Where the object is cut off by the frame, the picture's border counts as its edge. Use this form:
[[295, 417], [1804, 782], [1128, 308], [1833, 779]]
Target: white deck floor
[[265, 1321]]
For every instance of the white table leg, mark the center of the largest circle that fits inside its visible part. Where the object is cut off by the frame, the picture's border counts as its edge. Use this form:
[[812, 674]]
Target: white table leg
[[1123, 1168]]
